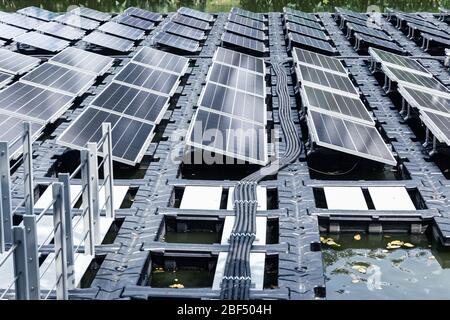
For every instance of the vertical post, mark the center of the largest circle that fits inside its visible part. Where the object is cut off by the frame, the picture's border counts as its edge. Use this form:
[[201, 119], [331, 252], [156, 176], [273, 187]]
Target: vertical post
[[20, 264], [28, 168], [64, 178], [60, 242], [93, 181], [2, 232], [31, 244], [108, 170], [88, 217], [5, 186]]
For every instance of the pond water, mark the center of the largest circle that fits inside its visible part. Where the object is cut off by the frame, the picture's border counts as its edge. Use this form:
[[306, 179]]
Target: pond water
[[225, 5], [367, 269]]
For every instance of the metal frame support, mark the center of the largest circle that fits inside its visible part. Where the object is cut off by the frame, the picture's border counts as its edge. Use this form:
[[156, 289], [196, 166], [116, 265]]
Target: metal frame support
[[108, 170], [59, 223], [31, 243], [64, 178], [20, 264], [93, 181], [28, 168], [88, 217], [5, 191]]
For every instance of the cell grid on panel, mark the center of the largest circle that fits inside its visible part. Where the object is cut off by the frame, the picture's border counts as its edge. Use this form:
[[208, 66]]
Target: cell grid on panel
[[241, 60], [162, 60], [134, 22], [122, 30], [83, 60], [42, 41], [108, 41], [176, 42], [60, 30], [144, 14], [16, 63]]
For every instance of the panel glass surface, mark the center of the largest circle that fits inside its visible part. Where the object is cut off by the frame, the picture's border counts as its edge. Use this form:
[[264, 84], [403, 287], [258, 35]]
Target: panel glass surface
[[243, 42], [83, 60], [319, 60], [196, 14], [301, 40], [311, 32], [38, 13], [184, 31], [425, 100], [9, 32], [20, 21], [246, 22], [303, 22], [108, 41], [144, 14], [77, 21], [122, 30], [91, 14], [377, 42], [248, 14], [60, 30], [369, 31], [42, 41], [134, 22], [414, 79], [240, 60], [162, 60], [245, 31], [300, 14], [16, 63], [438, 124], [396, 60], [177, 42], [190, 22]]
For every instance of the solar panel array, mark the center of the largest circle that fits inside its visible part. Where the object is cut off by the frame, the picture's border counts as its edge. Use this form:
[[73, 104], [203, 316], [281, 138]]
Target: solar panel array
[[243, 42], [246, 22], [337, 117], [10, 32], [303, 22], [83, 60], [190, 22], [41, 41], [232, 109], [38, 13], [134, 22], [61, 31], [134, 103], [16, 63], [420, 90], [20, 21]]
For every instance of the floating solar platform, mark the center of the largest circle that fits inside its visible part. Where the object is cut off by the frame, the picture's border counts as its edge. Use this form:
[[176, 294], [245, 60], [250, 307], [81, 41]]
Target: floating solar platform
[[310, 43], [244, 42], [144, 14], [109, 42], [32, 103], [61, 31], [38, 13], [245, 31], [41, 41], [16, 63], [134, 22], [91, 14], [247, 22], [61, 79], [190, 22], [162, 60], [176, 42], [83, 60], [121, 30], [130, 137], [10, 32], [77, 21], [184, 31], [20, 21], [196, 14], [349, 137]]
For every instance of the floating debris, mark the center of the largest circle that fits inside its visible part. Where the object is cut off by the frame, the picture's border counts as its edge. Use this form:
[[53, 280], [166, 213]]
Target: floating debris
[[360, 268], [408, 245], [177, 286], [158, 270], [357, 237], [329, 241]]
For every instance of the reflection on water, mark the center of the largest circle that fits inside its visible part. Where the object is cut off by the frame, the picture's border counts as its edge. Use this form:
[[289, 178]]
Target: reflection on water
[[221, 6], [193, 237], [366, 269], [182, 279]]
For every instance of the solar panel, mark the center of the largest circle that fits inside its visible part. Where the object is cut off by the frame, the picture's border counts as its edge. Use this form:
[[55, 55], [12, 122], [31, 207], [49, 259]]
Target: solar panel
[[121, 30], [42, 41], [134, 22], [422, 100], [190, 22], [20, 21], [184, 31], [303, 22], [12, 131], [368, 31], [351, 13], [439, 33], [176, 42], [413, 79], [236, 78], [437, 40], [231, 101], [162, 60], [91, 14], [196, 14], [144, 14], [32, 103], [83, 60], [438, 124], [368, 21], [60, 30], [62, 79], [297, 39], [338, 105], [311, 32], [136, 103], [246, 22], [108, 41], [245, 31], [5, 78], [130, 137], [375, 42], [397, 61], [243, 42], [318, 60], [249, 14], [228, 136], [10, 32], [241, 60], [325, 80], [77, 21], [300, 14], [349, 137], [148, 78], [38, 13], [414, 20], [16, 63]]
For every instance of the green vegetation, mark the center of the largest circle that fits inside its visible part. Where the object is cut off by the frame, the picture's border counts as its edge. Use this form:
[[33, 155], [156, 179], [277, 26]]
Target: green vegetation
[[225, 5]]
